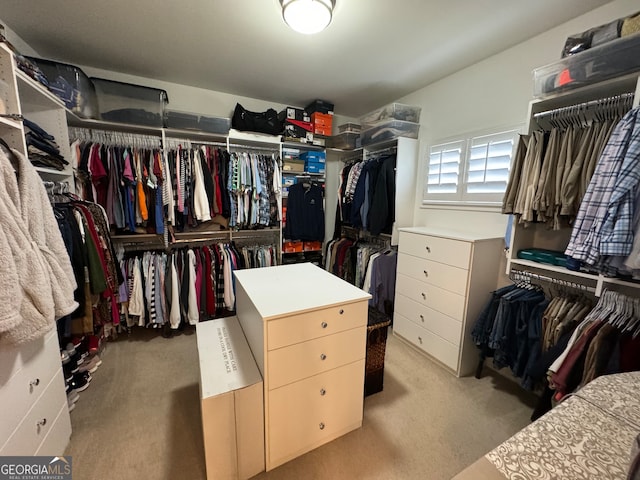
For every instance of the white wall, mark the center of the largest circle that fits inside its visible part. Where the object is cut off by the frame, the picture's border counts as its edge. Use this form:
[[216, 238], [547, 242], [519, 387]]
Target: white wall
[[491, 95]]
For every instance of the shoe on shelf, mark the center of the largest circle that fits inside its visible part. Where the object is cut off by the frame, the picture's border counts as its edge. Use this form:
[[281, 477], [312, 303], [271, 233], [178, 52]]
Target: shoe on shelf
[[90, 365], [73, 396], [80, 381], [93, 342], [81, 345], [68, 367], [74, 355]]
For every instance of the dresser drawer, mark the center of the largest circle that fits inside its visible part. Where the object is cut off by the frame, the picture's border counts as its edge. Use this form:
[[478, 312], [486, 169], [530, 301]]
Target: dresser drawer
[[37, 423], [436, 322], [443, 301], [31, 379], [308, 413], [14, 358], [289, 364], [444, 276], [319, 323], [437, 347], [437, 249], [58, 437]]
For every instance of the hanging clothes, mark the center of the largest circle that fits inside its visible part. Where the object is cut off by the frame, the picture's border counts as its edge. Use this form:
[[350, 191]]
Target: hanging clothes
[[38, 281], [552, 168], [187, 285], [305, 212], [604, 230]]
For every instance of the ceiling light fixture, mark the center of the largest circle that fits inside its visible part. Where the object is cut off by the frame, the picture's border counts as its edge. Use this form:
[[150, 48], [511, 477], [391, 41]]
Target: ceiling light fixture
[[307, 16]]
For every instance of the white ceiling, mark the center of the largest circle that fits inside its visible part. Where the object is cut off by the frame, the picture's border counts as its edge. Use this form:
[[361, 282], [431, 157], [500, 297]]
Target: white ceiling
[[374, 51]]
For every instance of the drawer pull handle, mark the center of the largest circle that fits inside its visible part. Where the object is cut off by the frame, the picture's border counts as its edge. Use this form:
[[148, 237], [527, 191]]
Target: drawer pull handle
[[34, 383], [323, 392], [422, 318], [420, 340], [426, 274], [321, 426], [428, 249], [323, 356], [424, 296], [341, 311], [41, 423], [324, 325]]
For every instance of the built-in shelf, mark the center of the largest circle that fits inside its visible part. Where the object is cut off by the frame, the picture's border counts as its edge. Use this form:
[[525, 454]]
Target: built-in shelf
[[8, 122], [52, 171], [554, 268], [195, 135], [74, 121], [35, 97]]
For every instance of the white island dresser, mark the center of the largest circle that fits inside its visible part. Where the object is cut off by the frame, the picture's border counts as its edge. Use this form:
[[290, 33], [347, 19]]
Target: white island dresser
[[307, 330]]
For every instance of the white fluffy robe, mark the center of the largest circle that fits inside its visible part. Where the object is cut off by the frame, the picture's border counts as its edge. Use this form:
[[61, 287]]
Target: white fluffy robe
[[33, 252]]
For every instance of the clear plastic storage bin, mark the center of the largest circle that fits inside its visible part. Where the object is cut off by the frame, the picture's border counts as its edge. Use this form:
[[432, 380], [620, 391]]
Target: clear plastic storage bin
[[393, 111], [129, 103], [346, 141], [349, 128], [609, 60], [389, 130], [71, 85], [192, 121]]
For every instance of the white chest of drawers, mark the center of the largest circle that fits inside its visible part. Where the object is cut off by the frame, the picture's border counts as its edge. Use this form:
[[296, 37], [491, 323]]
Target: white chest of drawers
[[443, 281], [35, 419], [307, 331]]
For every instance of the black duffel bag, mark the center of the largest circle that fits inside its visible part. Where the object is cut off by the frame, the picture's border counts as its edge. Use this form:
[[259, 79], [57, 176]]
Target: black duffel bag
[[262, 122]]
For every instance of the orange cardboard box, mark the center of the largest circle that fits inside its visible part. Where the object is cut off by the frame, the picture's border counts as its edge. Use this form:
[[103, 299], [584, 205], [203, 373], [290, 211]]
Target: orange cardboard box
[[292, 247], [312, 246], [322, 120], [324, 131]]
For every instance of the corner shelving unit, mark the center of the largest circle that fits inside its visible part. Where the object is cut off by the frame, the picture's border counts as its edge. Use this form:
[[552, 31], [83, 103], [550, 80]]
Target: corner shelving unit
[[537, 235]]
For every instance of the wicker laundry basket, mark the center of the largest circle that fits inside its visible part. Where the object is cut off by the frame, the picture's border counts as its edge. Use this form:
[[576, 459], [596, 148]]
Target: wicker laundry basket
[[377, 324]]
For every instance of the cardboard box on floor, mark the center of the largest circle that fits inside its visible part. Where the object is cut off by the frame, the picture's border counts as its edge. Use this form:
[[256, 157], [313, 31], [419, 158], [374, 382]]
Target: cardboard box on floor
[[232, 402]]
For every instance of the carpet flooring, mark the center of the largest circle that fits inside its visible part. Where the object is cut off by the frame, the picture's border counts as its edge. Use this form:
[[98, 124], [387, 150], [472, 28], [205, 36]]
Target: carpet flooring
[[140, 419]]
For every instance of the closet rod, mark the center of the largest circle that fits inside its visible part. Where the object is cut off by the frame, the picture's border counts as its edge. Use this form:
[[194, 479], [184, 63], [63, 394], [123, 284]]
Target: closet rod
[[113, 138], [173, 142], [613, 101], [555, 281], [249, 147], [393, 149]]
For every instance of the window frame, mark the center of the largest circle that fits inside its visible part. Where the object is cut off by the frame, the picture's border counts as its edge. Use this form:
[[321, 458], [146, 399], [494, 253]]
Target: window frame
[[461, 197]]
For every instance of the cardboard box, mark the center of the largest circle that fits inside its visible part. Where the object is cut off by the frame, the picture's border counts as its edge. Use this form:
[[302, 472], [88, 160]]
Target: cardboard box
[[314, 167], [291, 165], [297, 129], [321, 106], [324, 131], [312, 246], [293, 113], [232, 402], [322, 120], [288, 180], [292, 247], [315, 157]]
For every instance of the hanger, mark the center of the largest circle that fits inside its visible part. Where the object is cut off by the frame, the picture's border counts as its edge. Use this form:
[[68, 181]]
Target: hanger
[[10, 155]]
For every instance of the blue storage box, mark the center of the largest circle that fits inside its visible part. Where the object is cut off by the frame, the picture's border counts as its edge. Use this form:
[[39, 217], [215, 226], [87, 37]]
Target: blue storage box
[[314, 167], [315, 157]]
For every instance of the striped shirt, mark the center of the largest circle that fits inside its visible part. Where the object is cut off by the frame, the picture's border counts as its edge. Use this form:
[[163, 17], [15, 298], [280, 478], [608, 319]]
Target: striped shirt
[[604, 225]]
